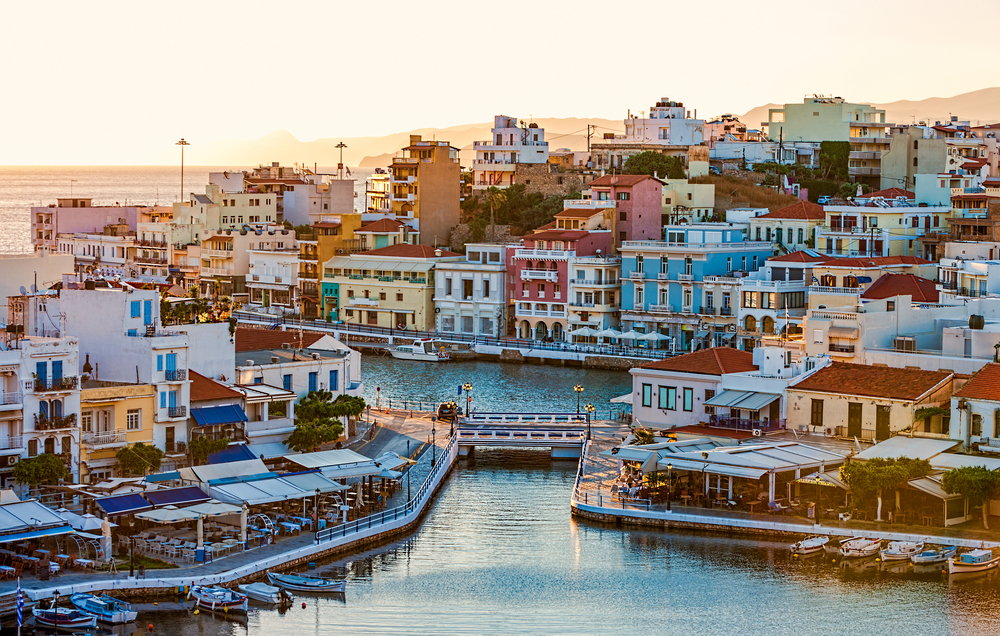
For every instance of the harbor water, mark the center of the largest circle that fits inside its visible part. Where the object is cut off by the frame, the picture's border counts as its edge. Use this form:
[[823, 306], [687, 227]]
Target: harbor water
[[499, 553]]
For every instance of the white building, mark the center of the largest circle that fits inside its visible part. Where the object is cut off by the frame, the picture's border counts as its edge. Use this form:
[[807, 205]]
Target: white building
[[302, 371], [497, 159], [594, 292], [20, 271], [307, 203], [469, 295], [273, 281], [975, 411], [668, 127]]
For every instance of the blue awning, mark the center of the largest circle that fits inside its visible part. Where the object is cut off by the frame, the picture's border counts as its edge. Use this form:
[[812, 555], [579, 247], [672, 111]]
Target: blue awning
[[864, 279], [231, 453], [47, 532], [215, 415], [123, 504], [171, 476], [176, 496]]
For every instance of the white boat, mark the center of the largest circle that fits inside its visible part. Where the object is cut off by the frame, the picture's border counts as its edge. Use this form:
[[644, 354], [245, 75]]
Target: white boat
[[935, 555], [105, 608], [218, 598], [63, 618], [901, 550], [833, 547], [306, 583], [860, 547], [267, 593], [973, 561], [810, 545], [422, 349]]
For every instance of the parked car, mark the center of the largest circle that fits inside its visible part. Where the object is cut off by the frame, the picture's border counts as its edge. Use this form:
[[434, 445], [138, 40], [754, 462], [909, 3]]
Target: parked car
[[714, 170], [823, 200]]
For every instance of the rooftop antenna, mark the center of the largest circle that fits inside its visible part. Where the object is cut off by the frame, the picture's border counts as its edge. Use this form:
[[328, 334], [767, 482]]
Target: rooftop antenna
[[340, 165]]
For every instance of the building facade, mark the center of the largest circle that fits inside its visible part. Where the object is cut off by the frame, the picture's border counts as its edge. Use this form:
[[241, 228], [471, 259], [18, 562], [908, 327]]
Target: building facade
[[496, 160], [470, 296]]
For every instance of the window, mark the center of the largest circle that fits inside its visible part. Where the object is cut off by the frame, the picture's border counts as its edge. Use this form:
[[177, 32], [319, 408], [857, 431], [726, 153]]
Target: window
[[647, 395], [623, 216], [312, 380], [688, 399], [977, 424], [136, 309], [750, 300], [334, 380], [466, 289], [800, 235], [709, 394], [159, 362], [729, 264], [163, 399], [381, 296], [638, 263], [638, 298], [817, 336], [622, 236], [447, 287], [134, 419], [399, 297], [32, 447], [86, 422], [623, 196], [486, 288], [709, 302], [816, 417], [662, 397], [286, 382]]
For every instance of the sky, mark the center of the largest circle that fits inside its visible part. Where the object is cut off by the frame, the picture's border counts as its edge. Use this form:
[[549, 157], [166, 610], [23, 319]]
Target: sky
[[115, 83]]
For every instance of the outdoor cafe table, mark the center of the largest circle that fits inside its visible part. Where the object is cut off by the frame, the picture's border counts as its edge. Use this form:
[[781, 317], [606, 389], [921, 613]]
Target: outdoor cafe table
[[291, 527], [7, 572], [86, 564]]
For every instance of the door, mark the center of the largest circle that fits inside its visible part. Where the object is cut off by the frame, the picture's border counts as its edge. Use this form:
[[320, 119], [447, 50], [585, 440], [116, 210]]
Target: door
[[56, 371], [882, 423], [42, 373], [169, 439], [171, 364], [854, 419], [147, 312], [172, 400]]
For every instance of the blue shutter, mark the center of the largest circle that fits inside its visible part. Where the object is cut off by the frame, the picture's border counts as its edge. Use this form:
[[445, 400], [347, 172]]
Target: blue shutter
[[334, 384], [171, 362], [172, 402], [163, 399], [286, 381], [56, 408], [43, 409], [42, 371], [135, 309], [57, 370], [159, 362], [312, 380], [147, 308], [132, 333]]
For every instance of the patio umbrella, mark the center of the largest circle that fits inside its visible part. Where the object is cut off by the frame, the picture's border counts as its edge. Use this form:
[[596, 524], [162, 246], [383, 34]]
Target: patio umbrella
[[214, 508], [630, 335], [389, 474], [582, 331], [167, 514], [608, 333], [652, 337]]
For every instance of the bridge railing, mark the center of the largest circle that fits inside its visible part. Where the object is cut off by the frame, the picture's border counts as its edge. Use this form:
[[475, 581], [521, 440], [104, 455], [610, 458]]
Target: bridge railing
[[599, 499], [570, 435], [525, 418]]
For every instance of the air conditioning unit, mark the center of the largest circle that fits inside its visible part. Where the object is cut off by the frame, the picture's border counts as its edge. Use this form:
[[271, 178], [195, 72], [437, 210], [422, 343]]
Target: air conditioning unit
[[286, 345], [315, 356], [11, 460], [907, 343], [274, 359]]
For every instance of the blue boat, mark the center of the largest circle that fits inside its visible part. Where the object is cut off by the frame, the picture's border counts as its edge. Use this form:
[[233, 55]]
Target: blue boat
[[104, 608], [936, 555]]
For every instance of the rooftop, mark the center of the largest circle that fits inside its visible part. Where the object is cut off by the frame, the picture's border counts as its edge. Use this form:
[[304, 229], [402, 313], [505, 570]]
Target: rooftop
[[405, 250], [248, 339], [577, 213], [714, 361], [621, 180], [883, 382], [382, 225], [984, 385], [923, 290], [557, 235], [803, 256], [803, 210], [263, 356], [204, 388], [877, 261], [891, 193]]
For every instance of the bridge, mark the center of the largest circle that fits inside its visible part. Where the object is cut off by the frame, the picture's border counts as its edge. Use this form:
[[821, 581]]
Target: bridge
[[563, 433]]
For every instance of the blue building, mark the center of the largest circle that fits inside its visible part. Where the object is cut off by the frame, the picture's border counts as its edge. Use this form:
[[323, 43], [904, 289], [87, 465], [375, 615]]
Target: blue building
[[330, 300], [686, 287]]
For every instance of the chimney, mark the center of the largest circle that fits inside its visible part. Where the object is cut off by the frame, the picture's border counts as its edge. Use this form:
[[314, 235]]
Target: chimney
[[249, 363], [437, 252]]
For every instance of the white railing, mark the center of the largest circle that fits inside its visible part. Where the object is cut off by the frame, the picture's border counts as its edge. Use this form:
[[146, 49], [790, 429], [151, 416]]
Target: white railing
[[834, 315], [661, 309], [10, 443], [521, 436], [734, 246], [843, 291], [637, 275], [725, 280], [12, 397], [103, 439], [539, 274], [533, 253], [687, 309], [685, 277], [527, 418], [663, 276], [591, 282]]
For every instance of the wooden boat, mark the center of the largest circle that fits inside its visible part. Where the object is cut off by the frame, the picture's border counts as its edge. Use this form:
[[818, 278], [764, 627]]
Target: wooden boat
[[860, 547], [306, 583], [833, 547], [935, 555], [422, 349], [973, 561], [218, 598], [809, 545], [105, 608], [267, 593], [63, 618], [901, 550]]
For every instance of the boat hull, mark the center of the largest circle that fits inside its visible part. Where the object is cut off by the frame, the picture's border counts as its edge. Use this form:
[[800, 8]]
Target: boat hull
[[936, 556], [857, 549], [296, 585], [219, 599], [54, 620], [958, 567], [92, 605], [419, 357], [810, 545], [264, 593], [901, 552]]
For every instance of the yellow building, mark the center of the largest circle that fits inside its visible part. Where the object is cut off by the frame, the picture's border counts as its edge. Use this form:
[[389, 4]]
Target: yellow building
[[113, 415], [882, 227], [840, 282], [427, 185], [388, 287]]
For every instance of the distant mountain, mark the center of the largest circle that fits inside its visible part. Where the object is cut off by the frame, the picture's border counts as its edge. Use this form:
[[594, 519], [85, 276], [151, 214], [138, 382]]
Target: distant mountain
[[979, 107], [373, 152]]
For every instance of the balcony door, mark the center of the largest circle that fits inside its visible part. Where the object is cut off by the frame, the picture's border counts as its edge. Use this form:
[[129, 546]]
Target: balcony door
[[854, 419]]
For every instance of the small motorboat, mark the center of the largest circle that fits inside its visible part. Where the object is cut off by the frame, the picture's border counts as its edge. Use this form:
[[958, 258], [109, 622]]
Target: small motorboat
[[901, 550], [306, 583], [218, 598], [63, 618], [105, 608], [860, 547], [267, 593], [934, 555], [833, 547], [810, 545], [973, 561], [422, 349]]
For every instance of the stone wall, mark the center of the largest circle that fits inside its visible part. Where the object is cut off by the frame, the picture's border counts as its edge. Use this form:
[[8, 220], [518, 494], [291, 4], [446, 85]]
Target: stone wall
[[538, 177], [614, 364]]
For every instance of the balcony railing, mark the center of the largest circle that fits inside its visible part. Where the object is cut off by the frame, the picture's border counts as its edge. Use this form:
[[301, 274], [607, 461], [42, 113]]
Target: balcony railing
[[10, 443], [661, 309], [12, 397], [150, 260], [685, 277], [175, 375], [687, 309], [591, 281], [533, 253], [746, 425], [43, 423], [55, 384], [177, 411], [105, 439], [843, 291], [308, 257], [841, 348], [663, 276], [539, 274], [726, 311], [637, 275]]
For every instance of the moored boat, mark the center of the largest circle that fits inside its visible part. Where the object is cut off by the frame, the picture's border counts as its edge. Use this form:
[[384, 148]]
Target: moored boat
[[934, 555], [860, 547], [104, 608], [267, 593], [833, 547], [306, 583], [422, 349], [809, 545], [973, 561], [218, 598], [901, 550], [63, 618]]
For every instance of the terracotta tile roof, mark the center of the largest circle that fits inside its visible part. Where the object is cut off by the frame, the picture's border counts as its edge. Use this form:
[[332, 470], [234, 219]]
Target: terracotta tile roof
[[547, 226], [923, 290], [883, 382], [557, 235], [984, 385], [324, 225], [892, 193], [972, 196], [248, 339], [800, 257], [204, 388], [382, 225], [877, 261], [621, 180], [406, 250], [581, 213], [802, 210], [262, 181], [714, 361]]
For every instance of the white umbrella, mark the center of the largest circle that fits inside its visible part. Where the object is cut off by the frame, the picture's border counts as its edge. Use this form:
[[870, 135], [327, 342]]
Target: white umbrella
[[167, 514], [608, 333], [583, 331], [652, 337], [389, 474], [214, 508], [630, 335]]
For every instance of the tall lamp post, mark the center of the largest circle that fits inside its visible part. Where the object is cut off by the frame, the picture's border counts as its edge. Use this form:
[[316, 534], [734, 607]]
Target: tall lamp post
[[467, 387], [408, 472], [182, 143], [316, 516], [589, 408], [670, 495], [433, 443], [579, 390], [131, 547]]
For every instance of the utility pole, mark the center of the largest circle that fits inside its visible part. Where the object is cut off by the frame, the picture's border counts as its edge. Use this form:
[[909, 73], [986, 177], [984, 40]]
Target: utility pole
[[182, 143], [340, 166], [588, 137]]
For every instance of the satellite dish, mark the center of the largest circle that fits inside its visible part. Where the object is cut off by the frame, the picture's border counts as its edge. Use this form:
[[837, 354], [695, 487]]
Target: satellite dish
[[33, 288], [22, 290]]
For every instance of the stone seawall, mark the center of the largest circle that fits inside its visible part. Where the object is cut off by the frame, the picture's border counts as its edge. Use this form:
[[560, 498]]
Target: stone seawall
[[627, 520], [610, 363]]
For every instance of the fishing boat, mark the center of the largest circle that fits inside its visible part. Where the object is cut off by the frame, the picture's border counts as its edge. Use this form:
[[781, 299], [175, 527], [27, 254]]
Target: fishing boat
[[860, 547], [934, 555], [833, 547], [63, 618], [809, 545], [218, 598], [901, 550], [973, 561], [306, 583], [422, 349], [267, 593], [104, 608]]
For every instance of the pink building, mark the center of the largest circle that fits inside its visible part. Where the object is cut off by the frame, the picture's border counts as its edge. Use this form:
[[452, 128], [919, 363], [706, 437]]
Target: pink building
[[78, 215], [538, 278], [638, 200]]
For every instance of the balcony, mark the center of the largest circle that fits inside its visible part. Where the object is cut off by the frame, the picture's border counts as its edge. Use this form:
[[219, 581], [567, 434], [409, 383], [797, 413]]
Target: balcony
[[723, 280], [839, 291], [663, 276], [175, 375], [157, 244], [55, 384], [177, 411], [43, 423], [589, 282], [12, 398], [308, 257], [687, 309], [745, 424], [864, 171], [637, 275], [539, 274], [151, 260], [214, 271], [11, 443], [308, 275], [841, 348], [96, 440], [864, 155], [405, 198], [218, 253], [871, 140], [726, 311], [533, 253], [685, 277], [661, 309]]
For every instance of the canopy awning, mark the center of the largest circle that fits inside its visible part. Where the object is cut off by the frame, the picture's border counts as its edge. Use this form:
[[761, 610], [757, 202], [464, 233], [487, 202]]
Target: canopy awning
[[311, 482], [216, 415], [713, 468], [213, 508], [270, 450], [932, 487], [851, 333], [744, 400], [622, 399], [33, 534], [167, 514], [124, 504], [170, 476], [232, 453], [322, 459], [176, 496]]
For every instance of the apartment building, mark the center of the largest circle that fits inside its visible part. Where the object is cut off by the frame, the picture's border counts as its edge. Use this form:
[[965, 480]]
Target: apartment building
[[78, 215], [426, 186], [669, 129], [273, 280], [225, 258], [638, 204], [320, 195], [790, 228], [470, 296], [113, 415], [881, 227], [511, 144]]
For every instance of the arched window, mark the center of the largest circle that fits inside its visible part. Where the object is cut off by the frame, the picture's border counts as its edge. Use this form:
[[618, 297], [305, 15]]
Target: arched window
[[50, 445], [67, 445], [767, 324], [750, 324], [851, 281], [828, 280]]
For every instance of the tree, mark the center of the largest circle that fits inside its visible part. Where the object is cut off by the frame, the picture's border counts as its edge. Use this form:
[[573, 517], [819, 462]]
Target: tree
[[975, 482], [655, 163], [47, 468], [317, 421], [202, 447], [833, 159], [642, 436], [875, 475], [136, 460]]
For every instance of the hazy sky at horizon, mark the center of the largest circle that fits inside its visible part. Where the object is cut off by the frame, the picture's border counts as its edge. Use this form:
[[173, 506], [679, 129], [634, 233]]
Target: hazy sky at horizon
[[109, 82]]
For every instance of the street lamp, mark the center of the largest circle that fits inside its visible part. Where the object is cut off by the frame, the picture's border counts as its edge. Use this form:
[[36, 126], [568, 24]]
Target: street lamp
[[408, 472], [589, 408], [316, 516], [182, 143], [670, 468], [579, 390], [131, 548], [468, 398], [433, 444]]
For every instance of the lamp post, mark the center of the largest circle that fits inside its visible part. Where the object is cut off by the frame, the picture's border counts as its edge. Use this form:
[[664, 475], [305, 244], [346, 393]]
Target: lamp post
[[468, 397], [408, 472], [316, 516], [670, 468], [182, 143], [589, 408], [55, 599], [131, 547], [579, 390], [433, 444]]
